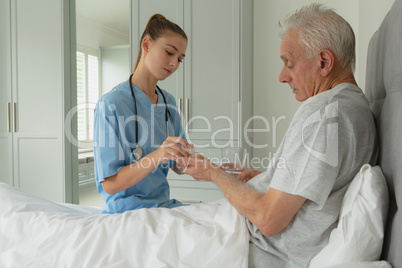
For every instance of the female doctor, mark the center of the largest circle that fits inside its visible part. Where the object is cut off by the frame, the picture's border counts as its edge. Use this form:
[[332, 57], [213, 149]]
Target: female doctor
[[137, 130]]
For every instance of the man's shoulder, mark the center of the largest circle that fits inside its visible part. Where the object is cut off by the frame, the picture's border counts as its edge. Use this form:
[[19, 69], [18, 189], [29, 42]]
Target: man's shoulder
[[344, 97]]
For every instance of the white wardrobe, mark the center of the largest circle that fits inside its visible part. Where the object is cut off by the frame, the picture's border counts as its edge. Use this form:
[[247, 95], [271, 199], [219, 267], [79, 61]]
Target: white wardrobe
[[213, 86], [36, 94]]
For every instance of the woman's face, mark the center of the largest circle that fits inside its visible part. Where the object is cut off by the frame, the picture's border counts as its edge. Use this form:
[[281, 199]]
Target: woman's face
[[165, 54]]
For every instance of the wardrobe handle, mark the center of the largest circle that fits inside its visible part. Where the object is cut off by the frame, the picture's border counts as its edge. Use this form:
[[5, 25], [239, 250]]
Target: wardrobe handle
[[15, 117], [8, 117], [181, 110], [180, 106], [187, 113]]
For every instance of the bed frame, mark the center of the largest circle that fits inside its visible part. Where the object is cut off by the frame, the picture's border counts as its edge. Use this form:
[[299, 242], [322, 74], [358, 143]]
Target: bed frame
[[383, 89]]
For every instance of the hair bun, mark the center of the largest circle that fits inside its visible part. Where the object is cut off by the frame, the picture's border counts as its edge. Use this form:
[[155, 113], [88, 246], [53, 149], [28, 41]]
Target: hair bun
[[157, 16]]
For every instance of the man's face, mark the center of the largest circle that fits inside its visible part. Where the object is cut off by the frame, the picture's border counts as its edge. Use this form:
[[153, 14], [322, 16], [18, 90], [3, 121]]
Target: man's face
[[302, 74]]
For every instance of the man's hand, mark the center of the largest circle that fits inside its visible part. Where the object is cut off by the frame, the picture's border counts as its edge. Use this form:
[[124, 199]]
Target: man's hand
[[197, 166], [246, 175]]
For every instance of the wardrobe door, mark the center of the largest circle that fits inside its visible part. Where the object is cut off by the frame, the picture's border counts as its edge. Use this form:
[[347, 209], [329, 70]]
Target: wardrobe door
[[41, 66], [6, 106], [212, 75]]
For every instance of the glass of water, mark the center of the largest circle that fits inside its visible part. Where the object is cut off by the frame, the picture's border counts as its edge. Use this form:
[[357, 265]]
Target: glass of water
[[233, 159]]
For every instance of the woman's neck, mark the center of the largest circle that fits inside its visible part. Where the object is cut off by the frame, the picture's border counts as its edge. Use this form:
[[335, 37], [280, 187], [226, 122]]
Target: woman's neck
[[145, 84]]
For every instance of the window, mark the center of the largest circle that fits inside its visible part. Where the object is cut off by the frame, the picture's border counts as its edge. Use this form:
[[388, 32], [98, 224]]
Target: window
[[87, 94]]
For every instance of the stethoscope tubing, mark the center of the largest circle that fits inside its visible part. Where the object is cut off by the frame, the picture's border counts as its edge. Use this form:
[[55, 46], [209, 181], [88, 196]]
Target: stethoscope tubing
[[137, 154]]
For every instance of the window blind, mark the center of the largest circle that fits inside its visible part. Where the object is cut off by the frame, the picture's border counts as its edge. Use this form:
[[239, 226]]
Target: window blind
[[87, 96], [81, 96]]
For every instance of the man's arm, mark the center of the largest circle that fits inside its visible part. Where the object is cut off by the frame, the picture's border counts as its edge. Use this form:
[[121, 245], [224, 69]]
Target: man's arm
[[271, 212]]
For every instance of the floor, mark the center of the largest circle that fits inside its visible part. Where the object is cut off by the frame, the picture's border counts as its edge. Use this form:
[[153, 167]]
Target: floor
[[89, 196]]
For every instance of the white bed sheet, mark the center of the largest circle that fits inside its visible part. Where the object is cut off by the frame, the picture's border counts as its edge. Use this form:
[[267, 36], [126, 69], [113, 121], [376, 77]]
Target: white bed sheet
[[35, 232]]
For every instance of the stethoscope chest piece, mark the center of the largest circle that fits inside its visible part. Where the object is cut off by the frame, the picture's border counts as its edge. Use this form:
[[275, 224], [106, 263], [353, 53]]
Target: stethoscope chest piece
[[137, 152]]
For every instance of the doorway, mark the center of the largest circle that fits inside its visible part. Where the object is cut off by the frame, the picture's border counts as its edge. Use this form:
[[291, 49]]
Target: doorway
[[103, 61]]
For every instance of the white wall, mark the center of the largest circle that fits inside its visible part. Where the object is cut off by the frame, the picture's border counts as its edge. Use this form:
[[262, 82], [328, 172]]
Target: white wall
[[115, 66], [274, 100], [95, 35]]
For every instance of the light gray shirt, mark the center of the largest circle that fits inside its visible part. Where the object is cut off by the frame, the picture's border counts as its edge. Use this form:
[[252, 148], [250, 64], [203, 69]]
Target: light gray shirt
[[330, 137]]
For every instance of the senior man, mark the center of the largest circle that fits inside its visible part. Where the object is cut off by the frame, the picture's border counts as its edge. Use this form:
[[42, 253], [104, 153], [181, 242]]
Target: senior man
[[292, 207]]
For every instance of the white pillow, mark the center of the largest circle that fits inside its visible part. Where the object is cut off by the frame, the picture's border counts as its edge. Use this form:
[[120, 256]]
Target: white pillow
[[360, 231]]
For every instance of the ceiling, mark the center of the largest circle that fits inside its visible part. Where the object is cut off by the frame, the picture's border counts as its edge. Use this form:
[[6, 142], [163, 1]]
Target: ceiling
[[114, 14]]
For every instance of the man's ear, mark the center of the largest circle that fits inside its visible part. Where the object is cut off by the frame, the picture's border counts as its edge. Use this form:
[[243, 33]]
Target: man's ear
[[146, 41], [327, 61]]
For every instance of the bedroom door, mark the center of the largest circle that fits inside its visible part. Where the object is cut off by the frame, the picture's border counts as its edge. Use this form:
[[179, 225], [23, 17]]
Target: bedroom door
[[36, 81]]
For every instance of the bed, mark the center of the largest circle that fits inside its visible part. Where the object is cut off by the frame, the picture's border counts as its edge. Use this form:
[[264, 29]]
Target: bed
[[384, 91], [35, 232]]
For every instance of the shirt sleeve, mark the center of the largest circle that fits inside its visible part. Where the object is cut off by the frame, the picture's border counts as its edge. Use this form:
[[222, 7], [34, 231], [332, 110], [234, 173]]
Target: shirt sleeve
[[109, 156], [308, 165]]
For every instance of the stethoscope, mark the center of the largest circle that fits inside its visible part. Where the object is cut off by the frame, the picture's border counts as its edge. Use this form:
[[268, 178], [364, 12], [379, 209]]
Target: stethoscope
[[137, 151]]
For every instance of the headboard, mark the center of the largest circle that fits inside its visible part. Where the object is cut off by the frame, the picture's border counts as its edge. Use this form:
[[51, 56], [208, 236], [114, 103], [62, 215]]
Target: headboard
[[384, 91]]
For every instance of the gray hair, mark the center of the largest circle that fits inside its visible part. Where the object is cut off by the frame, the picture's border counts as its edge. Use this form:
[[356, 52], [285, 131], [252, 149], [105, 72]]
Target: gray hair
[[322, 28]]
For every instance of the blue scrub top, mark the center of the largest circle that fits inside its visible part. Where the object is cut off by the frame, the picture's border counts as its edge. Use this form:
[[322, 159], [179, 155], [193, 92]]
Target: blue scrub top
[[114, 141]]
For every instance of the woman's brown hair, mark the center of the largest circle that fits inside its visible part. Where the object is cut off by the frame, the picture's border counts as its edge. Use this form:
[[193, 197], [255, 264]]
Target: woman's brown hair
[[157, 27]]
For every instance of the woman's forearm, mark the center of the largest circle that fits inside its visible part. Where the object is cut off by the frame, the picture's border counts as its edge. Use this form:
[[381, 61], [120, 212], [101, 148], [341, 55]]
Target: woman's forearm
[[130, 175]]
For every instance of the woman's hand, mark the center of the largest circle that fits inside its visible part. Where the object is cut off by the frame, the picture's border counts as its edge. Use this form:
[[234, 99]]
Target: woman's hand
[[173, 148], [128, 176]]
